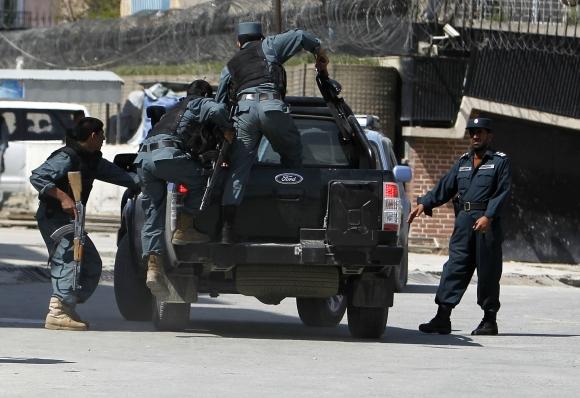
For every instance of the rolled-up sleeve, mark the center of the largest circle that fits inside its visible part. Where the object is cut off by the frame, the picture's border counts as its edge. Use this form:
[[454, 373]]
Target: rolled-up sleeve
[[286, 44], [44, 177], [113, 174], [207, 109]]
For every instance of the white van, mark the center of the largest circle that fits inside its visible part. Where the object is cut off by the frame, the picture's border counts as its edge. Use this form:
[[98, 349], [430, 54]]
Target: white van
[[33, 130]]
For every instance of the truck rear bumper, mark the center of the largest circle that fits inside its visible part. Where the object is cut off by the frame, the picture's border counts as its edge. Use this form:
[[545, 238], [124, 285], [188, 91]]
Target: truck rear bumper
[[304, 253]]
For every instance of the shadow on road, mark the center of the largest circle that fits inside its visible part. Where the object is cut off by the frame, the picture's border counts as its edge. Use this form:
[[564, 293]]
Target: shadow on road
[[18, 252], [33, 361], [427, 289]]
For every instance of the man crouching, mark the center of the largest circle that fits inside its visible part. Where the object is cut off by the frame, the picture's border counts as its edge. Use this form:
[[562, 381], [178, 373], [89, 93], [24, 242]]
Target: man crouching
[[57, 208]]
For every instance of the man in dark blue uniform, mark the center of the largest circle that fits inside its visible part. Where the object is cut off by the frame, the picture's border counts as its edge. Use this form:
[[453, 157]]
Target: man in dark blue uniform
[[57, 208], [479, 184], [171, 153], [254, 84]]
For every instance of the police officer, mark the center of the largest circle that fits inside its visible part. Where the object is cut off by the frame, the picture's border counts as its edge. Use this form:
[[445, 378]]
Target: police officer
[[170, 153], [57, 207], [479, 183], [254, 84]]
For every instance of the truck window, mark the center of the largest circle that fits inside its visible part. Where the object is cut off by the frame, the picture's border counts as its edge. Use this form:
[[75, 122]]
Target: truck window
[[37, 125], [321, 146], [7, 123]]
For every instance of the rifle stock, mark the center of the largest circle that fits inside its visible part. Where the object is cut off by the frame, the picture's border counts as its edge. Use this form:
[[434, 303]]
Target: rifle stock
[[75, 181]]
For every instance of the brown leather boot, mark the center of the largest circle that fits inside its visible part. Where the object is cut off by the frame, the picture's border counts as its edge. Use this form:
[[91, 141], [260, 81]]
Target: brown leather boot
[[60, 317], [155, 277], [185, 233]]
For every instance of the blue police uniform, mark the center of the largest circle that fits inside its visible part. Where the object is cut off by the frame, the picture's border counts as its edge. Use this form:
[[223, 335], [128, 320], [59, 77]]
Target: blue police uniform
[[164, 157], [261, 110], [51, 217], [478, 192]]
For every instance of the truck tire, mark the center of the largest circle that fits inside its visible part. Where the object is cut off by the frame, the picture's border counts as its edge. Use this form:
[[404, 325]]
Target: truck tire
[[170, 316], [321, 312], [402, 273], [131, 294], [367, 322]]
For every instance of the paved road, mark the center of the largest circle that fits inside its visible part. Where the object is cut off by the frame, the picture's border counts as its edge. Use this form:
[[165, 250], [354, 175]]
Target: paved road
[[235, 346]]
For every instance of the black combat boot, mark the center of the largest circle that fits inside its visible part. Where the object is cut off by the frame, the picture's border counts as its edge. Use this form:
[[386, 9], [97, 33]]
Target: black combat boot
[[228, 216], [487, 326], [440, 324]]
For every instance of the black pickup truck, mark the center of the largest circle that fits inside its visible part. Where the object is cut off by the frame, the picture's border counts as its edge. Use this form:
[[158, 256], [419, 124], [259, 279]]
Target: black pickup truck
[[328, 234]]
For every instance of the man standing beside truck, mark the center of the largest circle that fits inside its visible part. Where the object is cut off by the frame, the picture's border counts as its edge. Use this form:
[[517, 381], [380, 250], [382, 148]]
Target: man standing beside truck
[[57, 206], [171, 153], [254, 84], [479, 184]]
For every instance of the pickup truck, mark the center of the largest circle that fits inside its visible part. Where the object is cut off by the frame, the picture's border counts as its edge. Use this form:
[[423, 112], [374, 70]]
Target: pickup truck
[[331, 234]]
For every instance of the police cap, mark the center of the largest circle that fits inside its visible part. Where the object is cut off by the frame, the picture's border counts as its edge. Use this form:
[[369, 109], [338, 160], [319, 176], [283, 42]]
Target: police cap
[[479, 123], [250, 29]]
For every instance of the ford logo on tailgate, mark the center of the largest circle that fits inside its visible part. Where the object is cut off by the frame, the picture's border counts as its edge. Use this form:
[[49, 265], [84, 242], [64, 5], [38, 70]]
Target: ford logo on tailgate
[[288, 178]]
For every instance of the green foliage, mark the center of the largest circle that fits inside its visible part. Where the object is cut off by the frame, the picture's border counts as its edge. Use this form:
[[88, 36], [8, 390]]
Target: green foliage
[[216, 67], [182, 69], [103, 9]]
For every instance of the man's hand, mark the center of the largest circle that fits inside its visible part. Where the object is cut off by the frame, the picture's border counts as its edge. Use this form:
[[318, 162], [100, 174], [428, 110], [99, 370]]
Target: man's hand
[[417, 211], [66, 202], [229, 135], [482, 224], [322, 61], [68, 206]]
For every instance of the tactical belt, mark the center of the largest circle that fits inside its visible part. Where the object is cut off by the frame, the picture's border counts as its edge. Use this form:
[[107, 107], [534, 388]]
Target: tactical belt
[[157, 145], [259, 97], [468, 206]]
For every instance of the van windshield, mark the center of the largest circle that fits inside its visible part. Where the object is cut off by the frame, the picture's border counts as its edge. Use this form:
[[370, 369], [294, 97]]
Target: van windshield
[[321, 146], [36, 124]]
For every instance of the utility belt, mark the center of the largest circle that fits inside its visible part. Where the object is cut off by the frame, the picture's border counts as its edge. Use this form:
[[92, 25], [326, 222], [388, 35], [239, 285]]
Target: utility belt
[[158, 145], [259, 97], [469, 206]]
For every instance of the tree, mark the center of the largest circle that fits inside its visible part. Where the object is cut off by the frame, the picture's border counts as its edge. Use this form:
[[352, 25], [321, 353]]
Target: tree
[[103, 9]]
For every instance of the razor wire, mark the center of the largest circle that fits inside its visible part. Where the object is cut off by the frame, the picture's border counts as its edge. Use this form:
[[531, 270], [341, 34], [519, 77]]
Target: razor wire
[[206, 33]]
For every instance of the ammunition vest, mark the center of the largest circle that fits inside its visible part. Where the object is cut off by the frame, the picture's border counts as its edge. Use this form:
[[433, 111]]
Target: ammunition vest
[[249, 68], [82, 161]]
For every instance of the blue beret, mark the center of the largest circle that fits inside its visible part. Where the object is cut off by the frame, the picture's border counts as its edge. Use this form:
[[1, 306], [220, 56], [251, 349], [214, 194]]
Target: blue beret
[[250, 28], [479, 123]]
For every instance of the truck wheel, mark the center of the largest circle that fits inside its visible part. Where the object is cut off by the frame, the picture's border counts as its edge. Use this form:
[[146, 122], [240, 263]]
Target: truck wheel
[[131, 294], [321, 312], [170, 316], [402, 273], [367, 323]]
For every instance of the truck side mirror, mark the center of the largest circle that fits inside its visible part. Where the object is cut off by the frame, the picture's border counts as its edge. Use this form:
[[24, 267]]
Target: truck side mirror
[[403, 173]]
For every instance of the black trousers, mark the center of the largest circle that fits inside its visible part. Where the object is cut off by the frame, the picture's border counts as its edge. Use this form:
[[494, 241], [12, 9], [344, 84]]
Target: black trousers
[[468, 251]]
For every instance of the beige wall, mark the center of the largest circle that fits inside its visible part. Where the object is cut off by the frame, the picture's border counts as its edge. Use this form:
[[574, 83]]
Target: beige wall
[[43, 13]]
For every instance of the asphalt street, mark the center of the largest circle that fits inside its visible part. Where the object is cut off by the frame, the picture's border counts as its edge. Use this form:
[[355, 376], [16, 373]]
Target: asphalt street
[[234, 346]]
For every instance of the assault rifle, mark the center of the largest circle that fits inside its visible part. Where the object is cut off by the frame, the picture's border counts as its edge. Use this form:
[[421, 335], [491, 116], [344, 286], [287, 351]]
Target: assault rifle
[[76, 228], [218, 165]]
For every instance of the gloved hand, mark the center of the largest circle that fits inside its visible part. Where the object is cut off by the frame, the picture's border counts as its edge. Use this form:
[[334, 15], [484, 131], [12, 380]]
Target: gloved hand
[[322, 61]]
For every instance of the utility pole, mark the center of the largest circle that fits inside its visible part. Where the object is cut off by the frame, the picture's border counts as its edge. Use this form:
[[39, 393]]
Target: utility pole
[[277, 15]]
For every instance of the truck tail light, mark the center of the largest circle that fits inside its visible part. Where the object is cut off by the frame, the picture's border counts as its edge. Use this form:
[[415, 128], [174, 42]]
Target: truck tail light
[[182, 189], [392, 208]]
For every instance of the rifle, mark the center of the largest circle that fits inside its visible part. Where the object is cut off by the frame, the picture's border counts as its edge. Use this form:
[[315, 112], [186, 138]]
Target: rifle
[[77, 227], [214, 176]]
